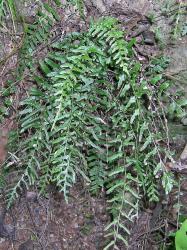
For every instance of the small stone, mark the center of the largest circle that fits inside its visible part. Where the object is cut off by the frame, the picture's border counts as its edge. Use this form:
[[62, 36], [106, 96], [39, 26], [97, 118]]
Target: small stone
[[75, 225], [31, 196], [76, 42], [149, 37], [184, 121], [2, 240]]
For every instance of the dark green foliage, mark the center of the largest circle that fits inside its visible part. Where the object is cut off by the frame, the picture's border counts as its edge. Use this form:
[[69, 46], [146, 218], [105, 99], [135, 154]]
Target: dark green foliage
[[37, 34], [88, 118]]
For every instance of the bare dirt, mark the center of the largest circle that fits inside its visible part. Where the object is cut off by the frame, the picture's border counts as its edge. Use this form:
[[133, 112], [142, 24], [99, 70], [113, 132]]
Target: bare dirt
[[52, 224]]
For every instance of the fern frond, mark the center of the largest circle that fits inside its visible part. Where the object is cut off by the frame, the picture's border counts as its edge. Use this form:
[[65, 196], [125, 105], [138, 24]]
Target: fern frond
[[37, 34], [27, 178]]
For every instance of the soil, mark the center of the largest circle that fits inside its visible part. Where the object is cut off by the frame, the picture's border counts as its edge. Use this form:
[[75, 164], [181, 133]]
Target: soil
[[49, 223]]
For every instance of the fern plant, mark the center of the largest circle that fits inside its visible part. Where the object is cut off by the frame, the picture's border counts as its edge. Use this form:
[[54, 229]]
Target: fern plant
[[37, 34], [28, 36], [87, 117]]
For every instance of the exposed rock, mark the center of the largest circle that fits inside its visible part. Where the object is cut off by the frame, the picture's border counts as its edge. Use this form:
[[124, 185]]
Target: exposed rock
[[143, 6], [178, 55]]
